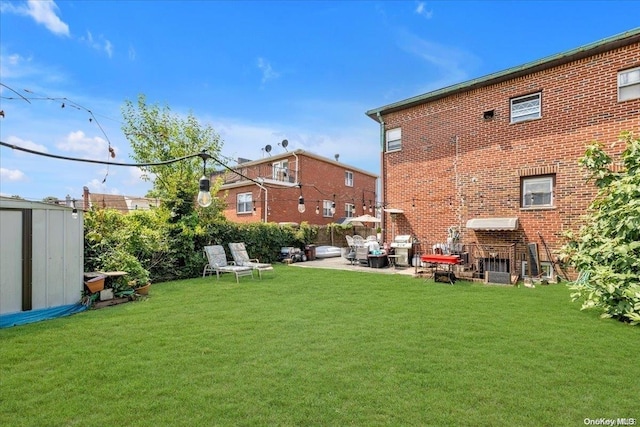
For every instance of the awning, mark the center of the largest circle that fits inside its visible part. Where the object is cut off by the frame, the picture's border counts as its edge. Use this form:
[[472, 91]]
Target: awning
[[493, 224], [394, 211]]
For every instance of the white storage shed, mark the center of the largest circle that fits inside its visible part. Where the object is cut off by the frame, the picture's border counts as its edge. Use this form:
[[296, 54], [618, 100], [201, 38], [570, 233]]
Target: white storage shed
[[41, 259]]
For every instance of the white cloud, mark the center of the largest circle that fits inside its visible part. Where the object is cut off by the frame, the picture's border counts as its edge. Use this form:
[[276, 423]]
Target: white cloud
[[452, 63], [42, 11], [422, 11], [12, 174], [101, 44], [97, 186], [88, 147], [267, 71], [108, 47], [23, 143], [132, 53]]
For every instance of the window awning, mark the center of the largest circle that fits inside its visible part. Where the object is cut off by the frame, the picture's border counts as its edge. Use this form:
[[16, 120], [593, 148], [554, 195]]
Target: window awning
[[493, 224]]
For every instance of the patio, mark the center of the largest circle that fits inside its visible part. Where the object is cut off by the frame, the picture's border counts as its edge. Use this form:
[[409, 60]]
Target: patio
[[340, 263]]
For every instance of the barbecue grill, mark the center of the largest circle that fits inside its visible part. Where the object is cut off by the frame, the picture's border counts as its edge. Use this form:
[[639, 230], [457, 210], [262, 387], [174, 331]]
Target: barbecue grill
[[402, 246], [294, 254]]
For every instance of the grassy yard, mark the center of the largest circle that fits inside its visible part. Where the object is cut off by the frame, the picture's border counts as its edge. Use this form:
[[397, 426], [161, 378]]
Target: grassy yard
[[310, 347]]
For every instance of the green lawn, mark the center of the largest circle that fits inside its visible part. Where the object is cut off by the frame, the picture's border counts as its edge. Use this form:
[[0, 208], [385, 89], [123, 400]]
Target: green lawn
[[311, 347]]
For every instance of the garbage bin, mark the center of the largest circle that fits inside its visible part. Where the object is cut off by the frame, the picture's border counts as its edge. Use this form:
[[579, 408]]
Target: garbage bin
[[310, 252]]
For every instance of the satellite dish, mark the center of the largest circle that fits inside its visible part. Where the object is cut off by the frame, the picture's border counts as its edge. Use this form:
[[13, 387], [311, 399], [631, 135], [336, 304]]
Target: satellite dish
[[267, 148], [337, 156], [285, 143]]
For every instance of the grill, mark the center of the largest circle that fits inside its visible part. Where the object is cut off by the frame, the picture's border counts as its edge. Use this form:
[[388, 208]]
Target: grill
[[294, 254], [403, 247]]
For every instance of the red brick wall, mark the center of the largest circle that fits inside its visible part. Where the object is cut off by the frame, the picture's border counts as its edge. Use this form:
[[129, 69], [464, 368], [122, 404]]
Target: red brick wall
[[320, 181], [434, 186]]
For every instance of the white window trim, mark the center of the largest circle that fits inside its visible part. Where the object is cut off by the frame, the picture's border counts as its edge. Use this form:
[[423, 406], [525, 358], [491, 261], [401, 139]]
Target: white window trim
[[629, 83], [348, 178], [326, 209], [248, 204], [349, 210], [393, 140], [530, 180], [529, 114], [281, 170]]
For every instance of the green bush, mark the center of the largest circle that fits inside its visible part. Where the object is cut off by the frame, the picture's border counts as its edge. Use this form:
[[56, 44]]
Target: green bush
[[606, 250], [159, 245]]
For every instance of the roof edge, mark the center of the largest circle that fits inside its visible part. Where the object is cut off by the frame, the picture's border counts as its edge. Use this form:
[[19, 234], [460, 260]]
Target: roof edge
[[603, 45]]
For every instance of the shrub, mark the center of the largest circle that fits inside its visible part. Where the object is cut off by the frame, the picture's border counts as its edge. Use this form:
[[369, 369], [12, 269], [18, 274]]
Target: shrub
[[606, 250]]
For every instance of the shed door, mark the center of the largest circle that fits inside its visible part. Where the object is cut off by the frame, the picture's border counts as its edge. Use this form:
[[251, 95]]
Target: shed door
[[10, 261]]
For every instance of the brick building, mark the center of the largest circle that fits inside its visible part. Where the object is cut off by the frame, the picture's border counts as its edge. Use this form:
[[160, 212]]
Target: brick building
[[269, 189], [491, 164]]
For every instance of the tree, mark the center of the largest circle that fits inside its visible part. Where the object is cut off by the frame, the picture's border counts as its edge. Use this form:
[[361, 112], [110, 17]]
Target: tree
[[606, 250], [157, 135]]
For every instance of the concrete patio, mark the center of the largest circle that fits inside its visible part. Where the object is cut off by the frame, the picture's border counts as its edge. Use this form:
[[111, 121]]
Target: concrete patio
[[340, 263]]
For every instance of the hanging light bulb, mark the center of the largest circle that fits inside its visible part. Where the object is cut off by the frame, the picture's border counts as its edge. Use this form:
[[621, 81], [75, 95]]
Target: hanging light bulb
[[74, 212], [204, 196], [301, 207]]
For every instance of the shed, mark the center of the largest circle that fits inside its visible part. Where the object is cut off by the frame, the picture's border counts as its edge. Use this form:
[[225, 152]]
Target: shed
[[41, 261]]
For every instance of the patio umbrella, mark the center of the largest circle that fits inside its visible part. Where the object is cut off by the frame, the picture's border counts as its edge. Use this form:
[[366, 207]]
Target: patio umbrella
[[365, 218]]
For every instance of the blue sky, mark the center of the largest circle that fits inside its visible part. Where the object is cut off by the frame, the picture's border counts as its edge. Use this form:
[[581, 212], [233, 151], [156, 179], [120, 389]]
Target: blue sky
[[257, 72]]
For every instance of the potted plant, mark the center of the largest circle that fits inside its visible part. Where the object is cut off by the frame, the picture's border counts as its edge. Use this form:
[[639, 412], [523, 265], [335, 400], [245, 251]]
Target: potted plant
[[137, 277], [379, 233]]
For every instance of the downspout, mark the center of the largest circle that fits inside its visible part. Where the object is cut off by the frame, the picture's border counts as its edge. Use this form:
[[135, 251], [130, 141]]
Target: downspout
[[266, 200], [382, 194], [297, 167]]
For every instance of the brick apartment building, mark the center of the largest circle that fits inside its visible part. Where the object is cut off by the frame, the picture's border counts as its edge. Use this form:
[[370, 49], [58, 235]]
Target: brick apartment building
[[270, 189], [491, 165]]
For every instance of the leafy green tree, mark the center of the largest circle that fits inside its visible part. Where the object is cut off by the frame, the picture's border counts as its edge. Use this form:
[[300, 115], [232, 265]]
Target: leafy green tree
[[158, 135], [606, 250]]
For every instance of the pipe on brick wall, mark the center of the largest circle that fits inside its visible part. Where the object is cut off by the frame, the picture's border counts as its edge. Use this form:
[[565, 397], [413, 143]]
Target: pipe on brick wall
[[381, 192]]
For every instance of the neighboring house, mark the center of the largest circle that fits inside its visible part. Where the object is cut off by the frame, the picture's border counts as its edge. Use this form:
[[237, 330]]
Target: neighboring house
[[124, 204], [269, 189], [492, 163]]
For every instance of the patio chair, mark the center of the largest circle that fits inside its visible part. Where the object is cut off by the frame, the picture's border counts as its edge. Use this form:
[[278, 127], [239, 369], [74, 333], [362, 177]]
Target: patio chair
[[358, 241], [217, 263], [362, 255], [241, 257], [350, 241]]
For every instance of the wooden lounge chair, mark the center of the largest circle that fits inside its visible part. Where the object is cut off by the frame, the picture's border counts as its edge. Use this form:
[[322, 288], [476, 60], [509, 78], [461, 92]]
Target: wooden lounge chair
[[217, 263], [241, 257]]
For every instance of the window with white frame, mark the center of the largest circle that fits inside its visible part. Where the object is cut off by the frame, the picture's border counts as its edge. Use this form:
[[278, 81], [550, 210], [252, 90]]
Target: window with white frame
[[394, 139], [629, 84], [526, 107], [349, 210], [537, 191], [326, 208], [244, 203], [281, 170], [348, 178], [546, 270]]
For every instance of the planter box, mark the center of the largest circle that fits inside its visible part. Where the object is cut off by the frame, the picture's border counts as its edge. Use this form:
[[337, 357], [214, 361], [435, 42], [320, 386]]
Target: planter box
[[377, 261], [96, 284]]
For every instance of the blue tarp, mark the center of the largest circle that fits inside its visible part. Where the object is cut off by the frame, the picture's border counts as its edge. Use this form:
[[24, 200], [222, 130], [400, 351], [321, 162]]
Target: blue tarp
[[24, 317]]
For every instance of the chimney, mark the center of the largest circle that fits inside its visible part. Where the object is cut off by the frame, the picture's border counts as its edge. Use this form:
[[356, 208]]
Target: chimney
[[85, 197]]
